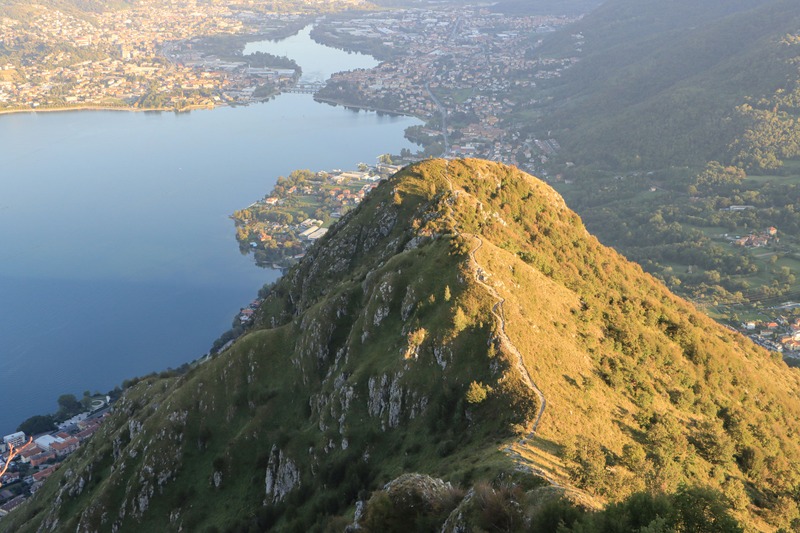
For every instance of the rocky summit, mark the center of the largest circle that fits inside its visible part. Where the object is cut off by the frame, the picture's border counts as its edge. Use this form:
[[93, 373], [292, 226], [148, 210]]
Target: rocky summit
[[456, 354]]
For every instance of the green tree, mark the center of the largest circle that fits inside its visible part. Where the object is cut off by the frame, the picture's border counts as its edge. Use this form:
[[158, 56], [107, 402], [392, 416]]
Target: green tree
[[37, 424], [703, 510], [634, 458], [68, 405], [589, 468], [460, 320], [713, 443], [477, 392], [669, 450]]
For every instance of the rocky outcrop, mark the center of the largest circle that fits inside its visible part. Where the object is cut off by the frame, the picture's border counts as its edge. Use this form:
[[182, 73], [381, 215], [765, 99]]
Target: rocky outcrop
[[406, 501], [458, 521], [281, 478], [416, 487], [385, 399]]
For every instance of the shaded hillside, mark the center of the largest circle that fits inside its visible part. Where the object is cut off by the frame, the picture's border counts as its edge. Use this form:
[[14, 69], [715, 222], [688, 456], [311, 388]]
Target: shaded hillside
[[545, 7], [658, 83], [23, 9], [422, 334]]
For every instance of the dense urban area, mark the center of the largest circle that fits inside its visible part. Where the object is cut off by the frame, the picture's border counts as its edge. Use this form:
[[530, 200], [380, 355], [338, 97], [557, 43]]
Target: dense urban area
[[32, 457], [152, 56]]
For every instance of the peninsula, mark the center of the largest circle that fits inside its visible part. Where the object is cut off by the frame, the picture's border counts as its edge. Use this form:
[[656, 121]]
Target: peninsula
[[278, 228]]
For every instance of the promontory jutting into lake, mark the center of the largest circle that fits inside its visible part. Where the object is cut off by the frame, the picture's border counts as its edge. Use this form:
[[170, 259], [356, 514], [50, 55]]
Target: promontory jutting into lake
[[135, 267]]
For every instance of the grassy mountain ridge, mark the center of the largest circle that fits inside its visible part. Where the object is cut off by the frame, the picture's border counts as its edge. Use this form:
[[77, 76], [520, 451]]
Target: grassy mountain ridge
[[392, 348]]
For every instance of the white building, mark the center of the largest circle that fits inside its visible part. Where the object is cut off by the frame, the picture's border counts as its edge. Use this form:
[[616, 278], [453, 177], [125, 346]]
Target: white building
[[317, 234], [16, 439], [45, 441], [309, 231]]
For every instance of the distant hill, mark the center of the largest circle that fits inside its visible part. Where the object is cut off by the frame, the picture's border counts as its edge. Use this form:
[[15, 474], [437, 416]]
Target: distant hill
[[21, 9], [658, 82], [545, 7], [463, 325], [513, 7]]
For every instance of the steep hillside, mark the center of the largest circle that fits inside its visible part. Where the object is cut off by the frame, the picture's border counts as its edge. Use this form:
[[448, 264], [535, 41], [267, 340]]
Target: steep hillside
[[658, 82], [460, 323]]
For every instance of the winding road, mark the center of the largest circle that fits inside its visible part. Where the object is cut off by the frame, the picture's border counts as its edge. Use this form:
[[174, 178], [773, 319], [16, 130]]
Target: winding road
[[443, 112]]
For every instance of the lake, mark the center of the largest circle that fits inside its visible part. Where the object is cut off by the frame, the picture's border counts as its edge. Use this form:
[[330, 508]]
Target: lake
[[117, 256]]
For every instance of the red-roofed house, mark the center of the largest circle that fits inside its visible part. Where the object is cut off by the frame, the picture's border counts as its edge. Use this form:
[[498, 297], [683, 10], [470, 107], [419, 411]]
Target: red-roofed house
[[85, 424], [86, 433], [69, 445], [27, 453], [42, 458], [43, 474]]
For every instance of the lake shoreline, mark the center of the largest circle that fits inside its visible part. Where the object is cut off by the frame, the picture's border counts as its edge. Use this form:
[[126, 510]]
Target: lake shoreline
[[66, 109], [158, 280], [390, 112]]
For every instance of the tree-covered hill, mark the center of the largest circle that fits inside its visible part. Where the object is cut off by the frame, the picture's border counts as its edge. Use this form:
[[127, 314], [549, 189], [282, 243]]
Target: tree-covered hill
[[23, 9], [461, 324], [658, 83], [662, 96]]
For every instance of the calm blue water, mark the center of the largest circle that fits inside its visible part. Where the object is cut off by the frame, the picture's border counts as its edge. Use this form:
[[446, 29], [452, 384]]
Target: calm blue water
[[117, 257], [319, 62]]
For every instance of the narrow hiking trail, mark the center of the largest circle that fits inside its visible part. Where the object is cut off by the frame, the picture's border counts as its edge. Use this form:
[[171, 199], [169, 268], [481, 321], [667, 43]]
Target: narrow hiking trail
[[481, 277], [528, 455]]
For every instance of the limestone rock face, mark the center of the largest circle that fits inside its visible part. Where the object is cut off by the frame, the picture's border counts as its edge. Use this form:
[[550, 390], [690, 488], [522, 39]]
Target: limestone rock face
[[385, 399], [282, 476]]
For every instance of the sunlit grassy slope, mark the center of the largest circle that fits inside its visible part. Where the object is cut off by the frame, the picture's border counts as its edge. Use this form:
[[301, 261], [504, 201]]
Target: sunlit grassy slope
[[383, 352]]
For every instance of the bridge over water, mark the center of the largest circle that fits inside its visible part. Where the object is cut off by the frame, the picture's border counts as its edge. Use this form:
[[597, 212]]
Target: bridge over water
[[306, 87]]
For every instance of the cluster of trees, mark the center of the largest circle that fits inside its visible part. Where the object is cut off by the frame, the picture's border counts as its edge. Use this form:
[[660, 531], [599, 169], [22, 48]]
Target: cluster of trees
[[673, 223], [508, 507], [349, 93], [631, 105], [659, 463], [770, 131], [175, 99], [265, 60], [715, 177], [375, 47], [68, 406], [42, 54], [650, 70]]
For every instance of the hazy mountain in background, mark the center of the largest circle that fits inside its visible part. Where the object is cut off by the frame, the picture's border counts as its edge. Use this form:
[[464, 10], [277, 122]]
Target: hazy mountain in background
[[659, 82]]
